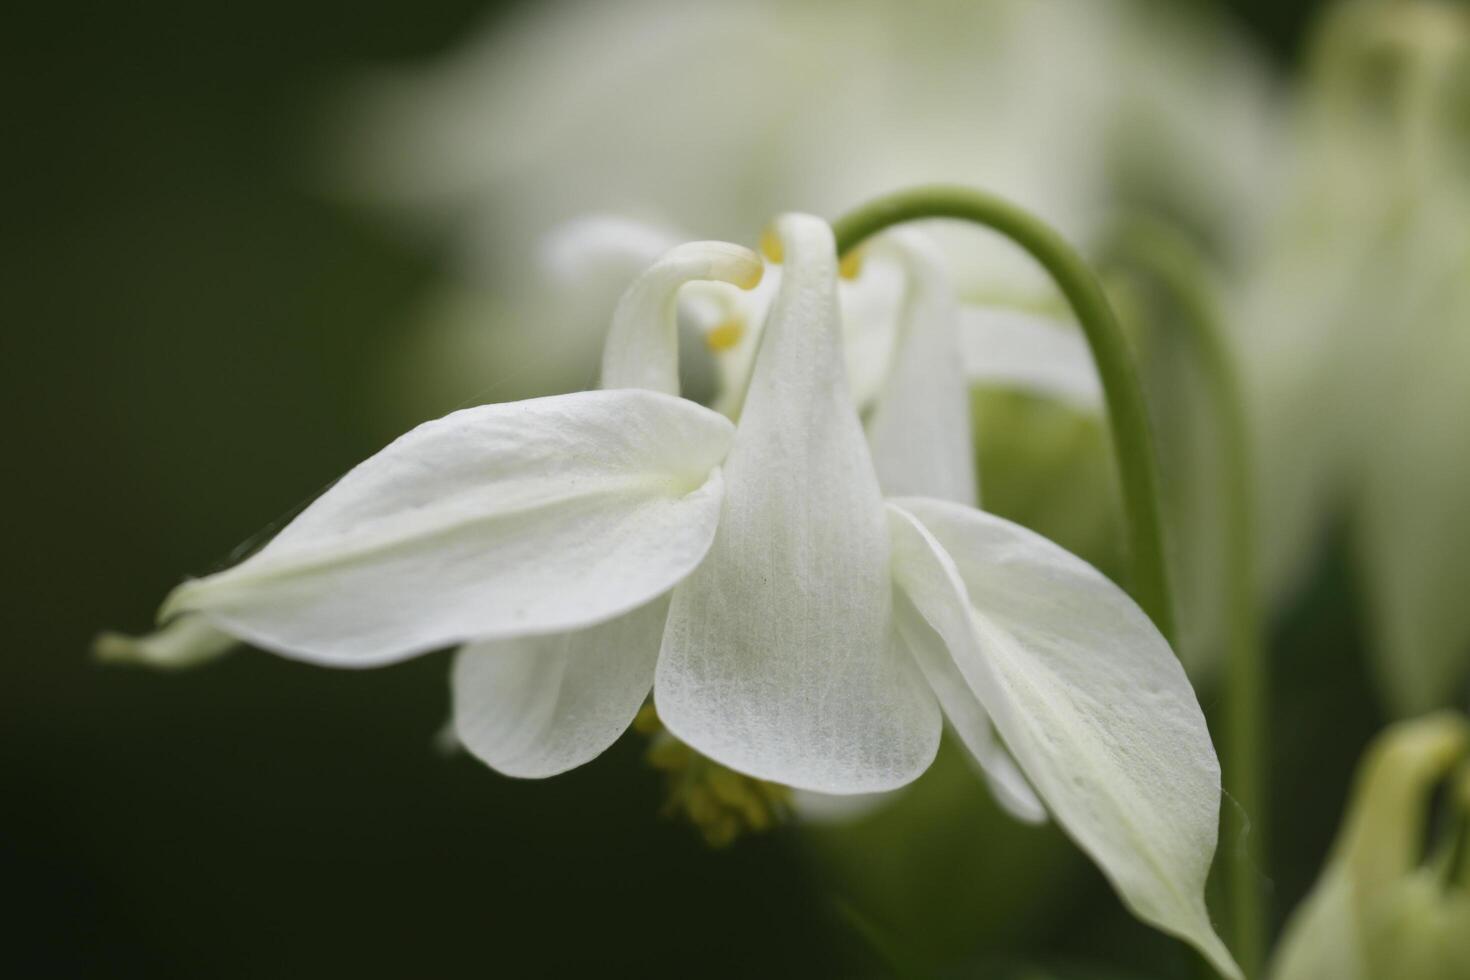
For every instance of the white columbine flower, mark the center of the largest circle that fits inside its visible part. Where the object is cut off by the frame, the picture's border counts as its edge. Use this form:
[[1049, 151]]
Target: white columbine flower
[[790, 622]]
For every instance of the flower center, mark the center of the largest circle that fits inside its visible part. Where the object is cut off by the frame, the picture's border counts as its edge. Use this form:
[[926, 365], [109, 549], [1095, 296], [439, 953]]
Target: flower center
[[721, 803], [726, 336]]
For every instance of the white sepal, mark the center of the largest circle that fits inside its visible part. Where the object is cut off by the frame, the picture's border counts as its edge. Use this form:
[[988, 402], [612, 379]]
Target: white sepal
[[531, 517], [1088, 697]]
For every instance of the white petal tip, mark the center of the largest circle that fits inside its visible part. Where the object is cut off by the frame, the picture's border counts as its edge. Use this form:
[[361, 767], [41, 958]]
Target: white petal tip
[[186, 642]]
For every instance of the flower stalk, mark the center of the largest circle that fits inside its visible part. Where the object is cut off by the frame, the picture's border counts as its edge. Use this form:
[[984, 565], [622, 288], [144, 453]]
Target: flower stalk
[[1178, 269], [1133, 441]]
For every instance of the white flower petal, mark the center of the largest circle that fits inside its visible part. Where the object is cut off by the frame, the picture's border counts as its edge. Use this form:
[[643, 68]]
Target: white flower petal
[[504, 520], [920, 427], [1088, 697], [966, 715], [540, 705], [643, 342], [1013, 349], [778, 659]]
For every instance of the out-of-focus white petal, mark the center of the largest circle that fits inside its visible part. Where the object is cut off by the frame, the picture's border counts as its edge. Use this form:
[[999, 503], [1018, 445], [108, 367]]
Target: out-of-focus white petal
[[1088, 697], [966, 715], [778, 659], [1014, 349], [919, 431], [504, 520], [834, 810], [539, 705], [871, 305], [1412, 523], [643, 343], [523, 325], [582, 248], [1386, 903]]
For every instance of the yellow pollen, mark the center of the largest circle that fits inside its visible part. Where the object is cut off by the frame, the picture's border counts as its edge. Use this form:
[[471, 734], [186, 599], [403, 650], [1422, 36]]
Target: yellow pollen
[[725, 336], [851, 265], [771, 245], [721, 804], [753, 280]]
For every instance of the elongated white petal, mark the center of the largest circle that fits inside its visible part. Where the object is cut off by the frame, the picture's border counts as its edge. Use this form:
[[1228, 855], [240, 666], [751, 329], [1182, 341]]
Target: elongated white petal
[[1087, 696], [188, 641], [504, 520], [1013, 349], [643, 343], [778, 658], [920, 427], [536, 706], [965, 714]]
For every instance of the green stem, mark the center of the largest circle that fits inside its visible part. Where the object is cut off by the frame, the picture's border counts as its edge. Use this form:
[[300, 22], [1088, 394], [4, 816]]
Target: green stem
[[1157, 252], [1132, 438]]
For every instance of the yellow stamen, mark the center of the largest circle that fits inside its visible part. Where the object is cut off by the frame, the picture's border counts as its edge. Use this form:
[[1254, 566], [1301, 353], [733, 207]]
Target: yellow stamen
[[851, 265], [771, 245], [753, 279], [725, 336], [720, 803]]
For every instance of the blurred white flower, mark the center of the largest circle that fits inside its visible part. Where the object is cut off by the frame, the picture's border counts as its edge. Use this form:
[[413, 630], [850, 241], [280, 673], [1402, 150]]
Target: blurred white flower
[[713, 112], [1388, 904], [1354, 329], [791, 624]]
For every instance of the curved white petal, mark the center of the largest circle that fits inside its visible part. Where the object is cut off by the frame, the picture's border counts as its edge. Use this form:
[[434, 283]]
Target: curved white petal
[[966, 715], [1086, 694], [920, 427], [732, 322], [643, 342], [504, 520], [536, 706], [1014, 349], [778, 658]]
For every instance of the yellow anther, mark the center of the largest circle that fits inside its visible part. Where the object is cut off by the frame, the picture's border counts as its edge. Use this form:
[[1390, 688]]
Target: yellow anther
[[725, 336], [720, 803], [771, 245], [851, 265], [754, 277]]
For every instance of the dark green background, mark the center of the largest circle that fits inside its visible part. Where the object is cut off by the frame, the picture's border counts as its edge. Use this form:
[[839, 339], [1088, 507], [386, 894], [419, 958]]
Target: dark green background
[[191, 337]]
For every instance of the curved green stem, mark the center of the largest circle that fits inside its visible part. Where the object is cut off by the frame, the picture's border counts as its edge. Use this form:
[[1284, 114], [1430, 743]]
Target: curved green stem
[[1157, 252], [1127, 415]]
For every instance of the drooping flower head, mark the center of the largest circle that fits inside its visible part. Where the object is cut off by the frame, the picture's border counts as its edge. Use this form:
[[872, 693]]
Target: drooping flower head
[[792, 621]]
